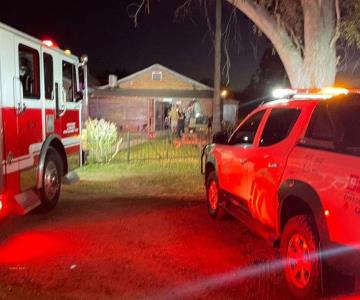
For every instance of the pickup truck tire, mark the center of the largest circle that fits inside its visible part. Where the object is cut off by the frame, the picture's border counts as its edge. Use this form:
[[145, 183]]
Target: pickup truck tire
[[216, 211], [51, 181], [298, 247]]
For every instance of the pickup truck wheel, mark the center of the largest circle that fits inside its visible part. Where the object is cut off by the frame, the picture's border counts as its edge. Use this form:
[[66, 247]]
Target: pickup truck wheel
[[216, 211], [51, 181], [299, 247]]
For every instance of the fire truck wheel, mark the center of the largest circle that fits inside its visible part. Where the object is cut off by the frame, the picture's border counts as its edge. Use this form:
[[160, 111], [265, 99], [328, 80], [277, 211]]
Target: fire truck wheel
[[216, 211], [51, 181], [299, 248]]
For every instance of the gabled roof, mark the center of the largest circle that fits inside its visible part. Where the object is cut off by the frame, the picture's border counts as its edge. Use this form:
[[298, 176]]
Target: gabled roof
[[158, 66]]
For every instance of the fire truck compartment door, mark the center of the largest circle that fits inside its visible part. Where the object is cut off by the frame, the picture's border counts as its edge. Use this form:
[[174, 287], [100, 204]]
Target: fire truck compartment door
[[29, 116], [1, 134]]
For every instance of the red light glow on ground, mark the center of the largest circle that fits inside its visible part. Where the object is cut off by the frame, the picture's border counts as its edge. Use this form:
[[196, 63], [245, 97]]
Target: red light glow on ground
[[33, 246]]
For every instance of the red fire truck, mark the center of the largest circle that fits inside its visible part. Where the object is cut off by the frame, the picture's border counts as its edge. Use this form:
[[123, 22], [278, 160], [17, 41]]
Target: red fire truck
[[40, 120]]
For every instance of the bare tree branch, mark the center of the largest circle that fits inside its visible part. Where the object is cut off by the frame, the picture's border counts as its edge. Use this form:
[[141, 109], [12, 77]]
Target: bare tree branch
[[142, 5], [229, 35], [183, 9], [289, 52], [338, 24]]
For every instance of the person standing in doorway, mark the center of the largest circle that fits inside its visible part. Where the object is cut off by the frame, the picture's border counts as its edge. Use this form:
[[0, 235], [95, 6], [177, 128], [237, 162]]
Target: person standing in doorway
[[181, 123], [173, 114]]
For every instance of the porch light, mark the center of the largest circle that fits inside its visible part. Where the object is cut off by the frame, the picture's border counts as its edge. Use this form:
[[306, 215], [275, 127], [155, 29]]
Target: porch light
[[224, 93]]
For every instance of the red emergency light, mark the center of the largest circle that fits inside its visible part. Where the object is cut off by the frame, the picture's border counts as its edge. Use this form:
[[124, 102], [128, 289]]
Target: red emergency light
[[50, 44]]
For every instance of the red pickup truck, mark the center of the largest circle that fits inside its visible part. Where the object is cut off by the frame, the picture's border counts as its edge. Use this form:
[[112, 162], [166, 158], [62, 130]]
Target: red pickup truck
[[291, 172]]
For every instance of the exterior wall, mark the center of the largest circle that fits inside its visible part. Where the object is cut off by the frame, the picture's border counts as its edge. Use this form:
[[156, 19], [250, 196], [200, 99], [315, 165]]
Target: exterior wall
[[131, 113], [169, 82], [127, 113]]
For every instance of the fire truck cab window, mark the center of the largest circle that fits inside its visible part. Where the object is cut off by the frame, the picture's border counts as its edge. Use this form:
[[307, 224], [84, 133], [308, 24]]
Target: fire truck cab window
[[48, 76], [29, 71], [69, 81]]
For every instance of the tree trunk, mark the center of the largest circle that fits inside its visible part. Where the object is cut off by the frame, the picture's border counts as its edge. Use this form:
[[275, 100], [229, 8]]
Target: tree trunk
[[319, 64], [216, 125], [316, 66]]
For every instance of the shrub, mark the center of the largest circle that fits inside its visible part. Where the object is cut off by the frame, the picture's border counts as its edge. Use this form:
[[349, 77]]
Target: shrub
[[101, 140]]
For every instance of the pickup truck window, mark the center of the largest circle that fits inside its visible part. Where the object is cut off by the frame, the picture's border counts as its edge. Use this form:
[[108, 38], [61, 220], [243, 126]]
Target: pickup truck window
[[245, 134], [320, 127], [278, 126], [335, 125]]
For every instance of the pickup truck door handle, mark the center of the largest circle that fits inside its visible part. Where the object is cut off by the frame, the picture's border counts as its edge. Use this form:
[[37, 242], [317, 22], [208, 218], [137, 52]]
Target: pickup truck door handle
[[272, 165], [243, 160]]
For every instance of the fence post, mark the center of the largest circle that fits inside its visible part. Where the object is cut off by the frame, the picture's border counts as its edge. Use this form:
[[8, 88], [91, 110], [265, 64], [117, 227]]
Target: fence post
[[128, 147], [167, 145]]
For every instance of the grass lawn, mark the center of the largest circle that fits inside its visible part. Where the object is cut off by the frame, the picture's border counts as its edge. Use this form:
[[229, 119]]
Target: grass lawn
[[175, 178], [160, 148]]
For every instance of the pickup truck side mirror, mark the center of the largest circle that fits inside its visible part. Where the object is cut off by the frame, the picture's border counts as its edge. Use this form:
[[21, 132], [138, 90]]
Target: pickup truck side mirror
[[220, 138]]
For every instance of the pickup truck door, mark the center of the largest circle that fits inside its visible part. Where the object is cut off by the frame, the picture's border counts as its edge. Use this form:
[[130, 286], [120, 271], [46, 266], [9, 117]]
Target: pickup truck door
[[234, 165], [266, 162]]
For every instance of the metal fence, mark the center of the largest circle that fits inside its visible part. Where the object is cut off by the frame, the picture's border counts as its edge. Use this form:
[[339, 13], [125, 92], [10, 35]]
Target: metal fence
[[163, 145]]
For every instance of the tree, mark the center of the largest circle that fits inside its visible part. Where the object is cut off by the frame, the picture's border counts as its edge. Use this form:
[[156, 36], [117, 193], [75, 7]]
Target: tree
[[305, 34], [269, 75]]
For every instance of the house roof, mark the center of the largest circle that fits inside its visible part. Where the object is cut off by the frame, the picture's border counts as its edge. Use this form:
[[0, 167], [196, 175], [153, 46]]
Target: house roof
[[208, 94], [158, 66]]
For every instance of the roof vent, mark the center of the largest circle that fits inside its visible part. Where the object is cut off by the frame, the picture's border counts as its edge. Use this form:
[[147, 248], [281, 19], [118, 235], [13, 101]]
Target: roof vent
[[112, 80], [157, 76]]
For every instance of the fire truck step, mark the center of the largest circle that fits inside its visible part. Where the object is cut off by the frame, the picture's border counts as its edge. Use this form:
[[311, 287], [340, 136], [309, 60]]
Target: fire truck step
[[27, 201], [70, 178]]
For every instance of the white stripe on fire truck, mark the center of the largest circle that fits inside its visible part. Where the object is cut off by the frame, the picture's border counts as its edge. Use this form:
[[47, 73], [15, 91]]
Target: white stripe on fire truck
[[27, 161]]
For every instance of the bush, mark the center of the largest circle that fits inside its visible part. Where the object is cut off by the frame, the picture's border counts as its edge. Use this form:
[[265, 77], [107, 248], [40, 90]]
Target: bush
[[100, 139]]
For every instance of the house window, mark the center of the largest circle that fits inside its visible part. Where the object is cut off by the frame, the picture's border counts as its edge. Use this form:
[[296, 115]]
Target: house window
[[157, 76]]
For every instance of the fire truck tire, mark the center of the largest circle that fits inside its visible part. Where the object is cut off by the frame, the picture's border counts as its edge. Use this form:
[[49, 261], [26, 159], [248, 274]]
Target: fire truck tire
[[298, 247], [51, 181], [214, 200]]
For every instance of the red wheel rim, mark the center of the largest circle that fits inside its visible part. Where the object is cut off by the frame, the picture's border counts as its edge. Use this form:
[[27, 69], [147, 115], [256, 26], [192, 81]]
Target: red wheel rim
[[213, 195], [298, 266]]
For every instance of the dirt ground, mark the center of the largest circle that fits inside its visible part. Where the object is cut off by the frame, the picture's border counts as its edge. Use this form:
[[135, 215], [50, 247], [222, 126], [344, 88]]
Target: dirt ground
[[133, 247]]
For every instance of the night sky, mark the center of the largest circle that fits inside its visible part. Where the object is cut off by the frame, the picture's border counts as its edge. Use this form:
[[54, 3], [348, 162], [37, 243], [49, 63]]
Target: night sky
[[106, 33]]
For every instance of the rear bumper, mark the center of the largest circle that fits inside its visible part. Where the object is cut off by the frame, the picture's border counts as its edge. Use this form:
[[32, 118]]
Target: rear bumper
[[342, 257]]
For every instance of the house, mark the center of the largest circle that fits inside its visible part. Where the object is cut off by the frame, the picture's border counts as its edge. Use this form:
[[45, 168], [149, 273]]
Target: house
[[141, 101]]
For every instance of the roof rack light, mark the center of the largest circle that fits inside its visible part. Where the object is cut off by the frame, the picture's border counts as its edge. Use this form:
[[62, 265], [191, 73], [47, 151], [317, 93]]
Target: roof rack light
[[324, 93], [334, 91], [281, 93]]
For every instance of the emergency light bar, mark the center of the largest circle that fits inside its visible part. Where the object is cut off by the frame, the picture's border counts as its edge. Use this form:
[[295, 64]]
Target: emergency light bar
[[281, 93], [324, 93], [50, 44]]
